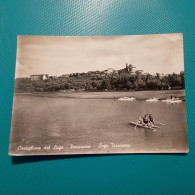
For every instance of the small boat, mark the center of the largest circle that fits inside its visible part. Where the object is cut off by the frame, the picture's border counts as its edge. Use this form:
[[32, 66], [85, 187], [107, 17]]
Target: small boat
[[172, 100], [140, 125], [152, 100], [126, 98]]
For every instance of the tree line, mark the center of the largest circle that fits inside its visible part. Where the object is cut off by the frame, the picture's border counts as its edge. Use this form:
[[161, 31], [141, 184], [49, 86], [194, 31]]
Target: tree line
[[118, 82]]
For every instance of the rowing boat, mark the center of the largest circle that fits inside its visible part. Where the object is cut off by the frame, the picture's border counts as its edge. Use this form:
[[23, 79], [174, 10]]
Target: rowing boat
[[172, 101], [152, 100], [140, 125], [126, 98]]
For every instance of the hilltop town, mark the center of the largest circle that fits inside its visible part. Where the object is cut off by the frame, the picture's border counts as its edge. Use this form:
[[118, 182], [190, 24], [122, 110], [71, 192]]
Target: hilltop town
[[97, 73], [124, 79]]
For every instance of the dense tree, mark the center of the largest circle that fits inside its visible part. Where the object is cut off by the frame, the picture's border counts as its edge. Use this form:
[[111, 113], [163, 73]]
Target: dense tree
[[123, 80]]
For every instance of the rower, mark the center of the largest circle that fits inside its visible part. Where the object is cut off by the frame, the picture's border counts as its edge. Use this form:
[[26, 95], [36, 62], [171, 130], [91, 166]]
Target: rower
[[146, 119], [140, 119], [151, 120]]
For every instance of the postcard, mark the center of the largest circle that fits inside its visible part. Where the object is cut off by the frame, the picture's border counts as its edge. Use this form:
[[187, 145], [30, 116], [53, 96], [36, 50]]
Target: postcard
[[99, 95]]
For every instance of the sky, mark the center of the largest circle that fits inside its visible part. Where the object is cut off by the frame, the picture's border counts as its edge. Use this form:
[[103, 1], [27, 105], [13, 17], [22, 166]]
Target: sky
[[58, 55]]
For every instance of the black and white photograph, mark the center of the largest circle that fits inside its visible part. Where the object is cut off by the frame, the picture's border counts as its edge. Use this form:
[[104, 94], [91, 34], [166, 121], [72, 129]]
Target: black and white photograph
[[99, 95]]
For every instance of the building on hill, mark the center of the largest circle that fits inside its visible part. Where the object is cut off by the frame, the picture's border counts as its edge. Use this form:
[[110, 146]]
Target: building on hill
[[53, 77], [90, 72], [110, 70], [139, 71], [129, 68], [39, 77], [22, 79], [115, 71], [105, 71], [65, 75]]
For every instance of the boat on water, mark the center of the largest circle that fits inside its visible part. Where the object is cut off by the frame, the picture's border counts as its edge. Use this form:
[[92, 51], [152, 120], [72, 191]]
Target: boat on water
[[143, 126], [152, 100], [126, 98], [172, 101]]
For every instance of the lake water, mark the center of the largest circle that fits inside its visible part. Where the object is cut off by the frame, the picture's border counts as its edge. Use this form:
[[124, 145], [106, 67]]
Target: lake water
[[45, 125]]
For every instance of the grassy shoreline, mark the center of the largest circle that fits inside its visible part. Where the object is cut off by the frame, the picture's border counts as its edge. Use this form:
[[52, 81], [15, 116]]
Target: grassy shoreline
[[139, 95]]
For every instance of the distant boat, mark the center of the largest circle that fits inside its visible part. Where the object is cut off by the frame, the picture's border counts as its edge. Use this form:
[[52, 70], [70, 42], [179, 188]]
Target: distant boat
[[172, 100], [126, 98], [152, 100]]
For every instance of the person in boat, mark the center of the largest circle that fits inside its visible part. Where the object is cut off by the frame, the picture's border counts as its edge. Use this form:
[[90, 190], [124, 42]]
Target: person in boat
[[146, 120], [140, 119], [151, 119]]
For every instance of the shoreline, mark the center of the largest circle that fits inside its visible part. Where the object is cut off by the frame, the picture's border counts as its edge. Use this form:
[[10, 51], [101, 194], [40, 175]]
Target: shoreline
[[139, 95]]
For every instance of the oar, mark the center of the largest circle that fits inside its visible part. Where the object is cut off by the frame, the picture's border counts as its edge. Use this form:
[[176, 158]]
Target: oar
[[160, 123], [157, 127], [136, 126]]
